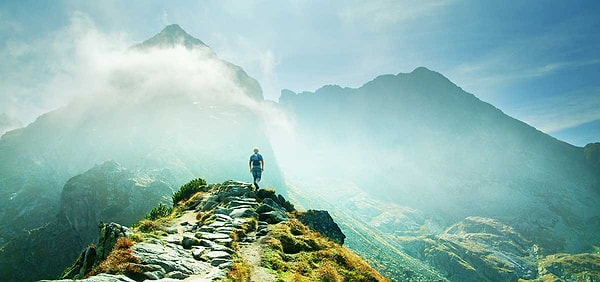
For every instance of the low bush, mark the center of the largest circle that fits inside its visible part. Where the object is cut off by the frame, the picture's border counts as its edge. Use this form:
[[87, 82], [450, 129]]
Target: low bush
[[189, 189], [159, 212]]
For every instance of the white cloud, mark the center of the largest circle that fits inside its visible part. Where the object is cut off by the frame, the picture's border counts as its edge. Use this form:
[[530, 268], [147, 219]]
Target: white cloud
[[377, 14], [81, 61], [562, 112]]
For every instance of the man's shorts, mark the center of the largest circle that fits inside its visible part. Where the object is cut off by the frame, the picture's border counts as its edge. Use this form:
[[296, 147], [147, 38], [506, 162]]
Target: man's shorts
[[256, 173]]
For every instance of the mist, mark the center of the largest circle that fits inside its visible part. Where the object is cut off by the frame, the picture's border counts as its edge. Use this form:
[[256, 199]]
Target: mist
[[413, 154], [407, 154]]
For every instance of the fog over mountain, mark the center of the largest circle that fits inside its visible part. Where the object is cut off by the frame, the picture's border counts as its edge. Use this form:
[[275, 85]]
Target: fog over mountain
[[427, 181], [169, 108]]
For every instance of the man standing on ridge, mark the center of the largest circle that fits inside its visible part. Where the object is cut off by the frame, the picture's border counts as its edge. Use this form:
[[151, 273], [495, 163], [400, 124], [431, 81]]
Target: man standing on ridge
[[257, 165]]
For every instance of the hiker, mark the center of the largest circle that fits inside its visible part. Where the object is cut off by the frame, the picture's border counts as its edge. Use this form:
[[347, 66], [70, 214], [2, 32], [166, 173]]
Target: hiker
[[257, 165]]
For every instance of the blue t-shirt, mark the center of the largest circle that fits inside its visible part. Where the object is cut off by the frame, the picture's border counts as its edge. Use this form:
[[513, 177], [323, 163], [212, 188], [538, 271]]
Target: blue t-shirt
[[256, 159]]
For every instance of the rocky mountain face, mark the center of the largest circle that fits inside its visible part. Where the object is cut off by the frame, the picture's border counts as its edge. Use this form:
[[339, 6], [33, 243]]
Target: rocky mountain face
[[413, 154], [105, 192], [222, 231], [173, 111]]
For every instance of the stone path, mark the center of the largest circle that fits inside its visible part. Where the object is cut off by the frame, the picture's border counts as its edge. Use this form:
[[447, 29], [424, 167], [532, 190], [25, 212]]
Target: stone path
[[193, 250], [252, 252]]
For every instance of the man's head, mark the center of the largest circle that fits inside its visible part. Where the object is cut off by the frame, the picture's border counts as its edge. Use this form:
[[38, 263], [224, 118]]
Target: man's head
[[255, 150]]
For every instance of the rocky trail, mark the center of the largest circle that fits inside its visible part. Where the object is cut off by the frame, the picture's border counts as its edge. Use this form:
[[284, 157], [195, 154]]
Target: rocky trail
[[252, 252], [199, 245]]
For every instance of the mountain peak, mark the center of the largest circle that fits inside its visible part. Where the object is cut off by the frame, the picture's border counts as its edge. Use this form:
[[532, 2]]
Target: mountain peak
[[171, 36]]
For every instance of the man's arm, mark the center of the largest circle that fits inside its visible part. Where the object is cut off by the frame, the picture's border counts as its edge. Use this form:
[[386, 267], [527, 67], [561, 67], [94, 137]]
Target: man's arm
[[250, 165], [262, 165]]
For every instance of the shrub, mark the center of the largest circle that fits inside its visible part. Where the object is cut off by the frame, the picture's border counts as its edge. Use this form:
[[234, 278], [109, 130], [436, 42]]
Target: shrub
[[188, 190], [148, 226], [159, 212], [241, 270], [120, 261]]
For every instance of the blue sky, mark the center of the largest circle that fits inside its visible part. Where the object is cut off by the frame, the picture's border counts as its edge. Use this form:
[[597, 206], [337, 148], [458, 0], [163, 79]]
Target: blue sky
[[538, 61]]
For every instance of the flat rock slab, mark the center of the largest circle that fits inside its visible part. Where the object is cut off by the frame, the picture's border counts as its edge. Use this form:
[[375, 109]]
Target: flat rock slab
[[207, 229], [222, 217], [169, 258], [217, 224], [219, 261], [217, 254], [234, 204], [212, 236], [243, 212], [224, 230]]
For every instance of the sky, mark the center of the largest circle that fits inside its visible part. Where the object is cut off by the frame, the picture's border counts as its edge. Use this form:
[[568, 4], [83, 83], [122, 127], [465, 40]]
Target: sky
[[538, 61]]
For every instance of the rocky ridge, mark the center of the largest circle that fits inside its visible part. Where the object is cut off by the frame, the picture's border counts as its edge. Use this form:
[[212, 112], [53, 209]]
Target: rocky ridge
[[218, 232]]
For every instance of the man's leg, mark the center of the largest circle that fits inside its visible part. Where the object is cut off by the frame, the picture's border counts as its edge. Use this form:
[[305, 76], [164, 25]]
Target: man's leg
[[256, 175]]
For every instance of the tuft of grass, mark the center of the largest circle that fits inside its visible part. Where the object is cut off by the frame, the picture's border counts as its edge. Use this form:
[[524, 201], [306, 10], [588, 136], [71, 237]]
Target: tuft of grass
[[296, 253], [189, 189], [241, 270], [328, 273], [206, 218], [148, 226], [137, 237], [120, 260]]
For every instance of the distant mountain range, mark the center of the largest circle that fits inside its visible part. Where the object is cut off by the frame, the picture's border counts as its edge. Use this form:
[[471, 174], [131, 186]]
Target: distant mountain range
[[418, 139]]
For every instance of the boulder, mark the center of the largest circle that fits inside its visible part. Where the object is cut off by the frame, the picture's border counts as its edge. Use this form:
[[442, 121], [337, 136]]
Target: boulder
[[273, 217], [189, 242], [323, 223], [243, 212]]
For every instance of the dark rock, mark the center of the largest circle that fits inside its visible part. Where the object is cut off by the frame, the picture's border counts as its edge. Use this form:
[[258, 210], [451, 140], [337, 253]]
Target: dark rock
[[222, 211], [322, 222], [238, 203], [280, 199], [82, 265], [219, 261], [264, 208], [262, 232], [189, 242], [207, 229], [176, 275], [273, 217], [222, 217], [208, 205], [263, 194], [109, 234], [93, 255], [270, 202], [243, 212]]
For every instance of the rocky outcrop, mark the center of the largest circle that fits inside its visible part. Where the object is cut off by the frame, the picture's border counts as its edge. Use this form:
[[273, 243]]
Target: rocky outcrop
[[204, 241], [91, 256], [322, 222], [110, 192]]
